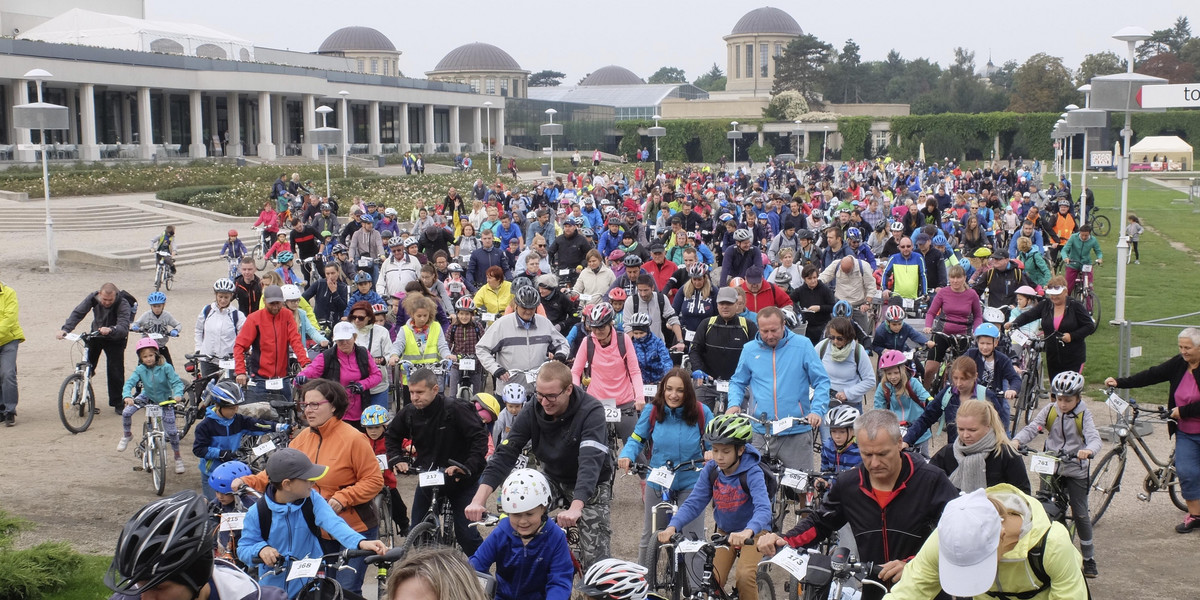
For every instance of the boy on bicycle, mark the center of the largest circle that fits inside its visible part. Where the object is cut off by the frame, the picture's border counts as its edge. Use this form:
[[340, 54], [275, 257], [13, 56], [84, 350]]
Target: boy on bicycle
[[1069, 427], [895, 334], [374, 421], [161, 386], [158, 320], [219, 434], [228, 502]]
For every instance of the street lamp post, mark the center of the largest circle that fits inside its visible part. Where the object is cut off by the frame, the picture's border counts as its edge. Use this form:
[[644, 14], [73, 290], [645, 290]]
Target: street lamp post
[[825, 145], [656, 132], [42, 116], [797, 134], [325, 135], [1131, 36], [488, 135], [345, 123], [734, 135], [551, 129]]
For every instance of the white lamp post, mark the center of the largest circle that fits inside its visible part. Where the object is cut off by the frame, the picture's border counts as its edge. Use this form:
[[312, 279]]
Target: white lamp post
[[551, 129], [488, 106], [345, 123], [797, 133], [1131, 36], [42, 116], [656, 132], [325, 135], [734, 135], [825, 145]]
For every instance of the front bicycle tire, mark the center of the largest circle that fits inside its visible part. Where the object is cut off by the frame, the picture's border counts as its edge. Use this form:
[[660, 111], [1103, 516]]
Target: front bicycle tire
[[158, 278], [260, 261], [76, 403], [765, 583], [158, 460], [663, 576], [387, 525], [1092, 302], [1101, 225], [1105, 483], [167, 280], [422, 535]]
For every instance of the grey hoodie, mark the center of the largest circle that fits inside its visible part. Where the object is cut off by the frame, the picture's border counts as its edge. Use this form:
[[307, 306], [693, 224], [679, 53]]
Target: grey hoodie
[[1064, 435]]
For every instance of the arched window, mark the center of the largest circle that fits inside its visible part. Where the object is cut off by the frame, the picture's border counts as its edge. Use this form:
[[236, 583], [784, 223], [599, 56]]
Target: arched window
[[166, 46], [211, 51]]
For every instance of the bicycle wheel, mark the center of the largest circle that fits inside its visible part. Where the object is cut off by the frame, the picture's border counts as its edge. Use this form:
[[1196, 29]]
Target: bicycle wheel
[[662, 577], [765, 583], [168, 280], [260, 261], [1101, 225], [1105, 483], [158, 461], [1172, 484], [158, 278], [1092, 302], [387, 525], [188, 411], [76, 403], [422, 535]]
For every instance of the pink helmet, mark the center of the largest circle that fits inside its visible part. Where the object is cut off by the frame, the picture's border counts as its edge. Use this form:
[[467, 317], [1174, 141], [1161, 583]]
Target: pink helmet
[[891, 358], [145, 343]]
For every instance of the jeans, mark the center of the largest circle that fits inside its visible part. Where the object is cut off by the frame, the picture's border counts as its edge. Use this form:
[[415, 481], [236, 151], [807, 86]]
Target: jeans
[[168, 417], [256, 391], [8, 377], [351, 579], [460, 499], [377, 399], [1187, 464], [114, 352]]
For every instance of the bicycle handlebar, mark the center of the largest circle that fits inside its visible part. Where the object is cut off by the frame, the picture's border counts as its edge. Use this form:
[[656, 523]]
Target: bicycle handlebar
[[389, 557]]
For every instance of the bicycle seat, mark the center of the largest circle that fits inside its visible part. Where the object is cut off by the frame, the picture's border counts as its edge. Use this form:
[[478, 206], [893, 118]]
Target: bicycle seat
[[289, 404]]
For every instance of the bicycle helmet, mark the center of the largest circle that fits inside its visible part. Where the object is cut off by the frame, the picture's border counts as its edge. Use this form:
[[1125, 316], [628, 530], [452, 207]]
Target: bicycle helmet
[[285, 257], [379, 309], [632, 260], [782, 279], [897, 226], [892, 358], [327, 233], [232, 233], [982, 253], [375, 416], [853, 234], [587, 232], [362, 277], [340, 249], [842, 309], [789, 318], [410, 241], [807, 234], [600, 314], [465, 303], [487, 406], [729, 429], [617, 294], [742, 235], [168, 539], [894, 313], [842, 416], [1067, 383], [326, 206], [616, 255], [726, 217], [736, 282], [221, 478], [523, 490], [939, 239], [224, 285], [639, 321], [527, 297], [396, 242], [615, 579], [514, 393], [390, 212], [156, 298], [1027, 291], [992, 314], [145, 343], [818, 214], [225, 393], [455, 268], [291, 292], [698, 271]]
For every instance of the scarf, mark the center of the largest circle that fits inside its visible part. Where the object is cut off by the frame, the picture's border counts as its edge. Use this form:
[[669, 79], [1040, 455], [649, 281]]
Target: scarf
[[971, 473], [841, 354]]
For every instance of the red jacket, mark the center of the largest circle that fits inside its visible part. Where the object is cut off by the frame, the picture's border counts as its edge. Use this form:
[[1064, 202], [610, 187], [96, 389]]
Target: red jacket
[[661, 274], [768, 294], [267, 337], [380, 447]]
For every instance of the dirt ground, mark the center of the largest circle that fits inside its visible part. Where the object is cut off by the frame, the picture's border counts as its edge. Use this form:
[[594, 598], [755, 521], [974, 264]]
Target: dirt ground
[[77, 488]]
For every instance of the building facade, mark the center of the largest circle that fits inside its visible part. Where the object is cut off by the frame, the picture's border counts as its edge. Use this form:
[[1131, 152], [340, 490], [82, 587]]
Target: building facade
[[751, 47]]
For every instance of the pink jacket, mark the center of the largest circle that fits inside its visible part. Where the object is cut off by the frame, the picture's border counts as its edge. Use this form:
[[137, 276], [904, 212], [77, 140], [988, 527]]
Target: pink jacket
[[349, 374], [611, 377]]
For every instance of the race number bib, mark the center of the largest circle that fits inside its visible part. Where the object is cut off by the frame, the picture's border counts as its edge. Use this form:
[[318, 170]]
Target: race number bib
[[154, 411], [650, 390], [466, 364], [232, 521], [723, 386], [1117, 403], [364, 261], [564, 272], [274, 384], [226, 364], [1043, 465], [794, 479], [432, 478], [795, 563], [689, 335], [908, 303], [304, 569], [1018, 337], [661, 476], [488, 317], [382, 460], [612, 414], [1087, 268], [782, 425], [264, 448], [689, 546]]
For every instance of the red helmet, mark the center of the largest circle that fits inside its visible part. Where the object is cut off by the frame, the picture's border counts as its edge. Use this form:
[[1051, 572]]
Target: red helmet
[[232, 233], [617, 294]]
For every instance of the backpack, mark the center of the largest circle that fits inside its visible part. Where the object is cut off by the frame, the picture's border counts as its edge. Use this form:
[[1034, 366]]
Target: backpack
[[741, 321], [1036, 557], [265, 517], [768, 479], [1052, 416], [233, 317], [132, 300]]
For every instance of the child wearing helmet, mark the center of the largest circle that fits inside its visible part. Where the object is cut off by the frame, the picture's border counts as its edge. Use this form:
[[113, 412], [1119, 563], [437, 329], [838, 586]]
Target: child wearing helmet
[[226, 501], [488, 409], [529, 550], [735, 484], [363, 292], [464, 332], [157, 323], [616, 579], [374, 421], [161, 386], [281, 245], [996, 371], [894, 334], [652, 354], [840, 452], [1027, 299], [515, 396], [1071, 427], [219, 434], [233, 249], [902, 393]]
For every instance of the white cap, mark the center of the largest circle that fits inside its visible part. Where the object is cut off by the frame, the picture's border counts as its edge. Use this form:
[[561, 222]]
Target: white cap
[[968, 540], [344, 330]]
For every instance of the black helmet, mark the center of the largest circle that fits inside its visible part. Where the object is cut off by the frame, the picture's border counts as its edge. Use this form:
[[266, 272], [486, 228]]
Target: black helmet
[[527, 297], [168, 539]]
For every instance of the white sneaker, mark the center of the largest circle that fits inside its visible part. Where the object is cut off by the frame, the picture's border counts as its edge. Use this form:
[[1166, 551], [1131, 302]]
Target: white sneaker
[[1137, 262], [124, 443], [179, 467]]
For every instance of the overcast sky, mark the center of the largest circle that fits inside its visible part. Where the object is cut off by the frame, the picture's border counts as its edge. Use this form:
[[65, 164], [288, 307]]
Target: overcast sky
[[645, 35]]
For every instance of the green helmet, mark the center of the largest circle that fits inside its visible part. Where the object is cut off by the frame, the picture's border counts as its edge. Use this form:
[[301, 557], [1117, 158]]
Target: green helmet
[[729, 429]]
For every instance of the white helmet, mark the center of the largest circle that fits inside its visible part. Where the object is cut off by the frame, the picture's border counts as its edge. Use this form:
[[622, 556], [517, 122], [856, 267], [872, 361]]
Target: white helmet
[[615, 579], [291, 292], [391, 212], [523, 490]]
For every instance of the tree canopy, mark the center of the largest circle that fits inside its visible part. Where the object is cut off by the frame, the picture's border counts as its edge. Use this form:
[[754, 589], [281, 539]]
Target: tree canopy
[[668, 75], [546, 78]]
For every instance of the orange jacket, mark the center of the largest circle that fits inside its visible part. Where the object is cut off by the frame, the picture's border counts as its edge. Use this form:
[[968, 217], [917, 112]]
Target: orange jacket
[[273, 334], [353, 478]]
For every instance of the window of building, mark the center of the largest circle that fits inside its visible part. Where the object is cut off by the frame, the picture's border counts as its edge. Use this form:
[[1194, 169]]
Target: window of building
[[361, 66], [763, 60], [385, 67], [880, 140], [374, 65], [504, 87], [475, 85], [737, 62], [778, 49], [749, 60], [491, 86]]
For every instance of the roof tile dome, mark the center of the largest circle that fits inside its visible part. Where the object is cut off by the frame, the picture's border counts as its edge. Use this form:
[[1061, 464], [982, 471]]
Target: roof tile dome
[[356, 38], [477, 57], [767, 19], [612, 75]]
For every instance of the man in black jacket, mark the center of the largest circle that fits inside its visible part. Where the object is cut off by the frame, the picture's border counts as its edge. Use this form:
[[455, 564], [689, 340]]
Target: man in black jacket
[[111, 315], [717, 347], [442, 430], [559, 308], [569, 436], [892, 502], [569, 250]]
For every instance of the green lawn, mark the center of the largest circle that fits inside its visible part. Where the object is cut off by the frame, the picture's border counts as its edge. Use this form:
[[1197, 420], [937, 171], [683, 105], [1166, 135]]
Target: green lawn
[[87, 583]]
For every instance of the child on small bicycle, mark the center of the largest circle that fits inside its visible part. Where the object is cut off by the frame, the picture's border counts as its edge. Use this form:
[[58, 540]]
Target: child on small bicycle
[[652, 354], [233, 249], [227, 502], [1027, 299], [161, 386], [902, 393], [895, 334], [515, 396], [533, 561], [219, 435], [363, 292], [158, 321], [733, 481], [1069, 427], [374, 421], [839, 453], [463, 335]]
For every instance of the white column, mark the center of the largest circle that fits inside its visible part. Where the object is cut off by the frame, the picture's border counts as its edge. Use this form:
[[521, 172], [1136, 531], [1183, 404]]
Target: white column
[[88, 150], [430, 145], [167, 124], [196, 149], [20, 89], [212, 126], [266, 148], [374, 146], [477, 130], [499, 131], [233, 113], [455, 146], [72, 110], [145, 126], [126, 119], [310, 123], [404, 146], [761, 137], [278, 131]]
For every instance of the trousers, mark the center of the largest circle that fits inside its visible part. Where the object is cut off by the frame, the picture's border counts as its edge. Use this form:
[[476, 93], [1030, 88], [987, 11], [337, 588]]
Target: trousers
[[8, 377], [114, 355]]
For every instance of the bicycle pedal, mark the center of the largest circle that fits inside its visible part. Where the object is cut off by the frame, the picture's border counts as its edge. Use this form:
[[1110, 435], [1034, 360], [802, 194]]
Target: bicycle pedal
[[139, 468]]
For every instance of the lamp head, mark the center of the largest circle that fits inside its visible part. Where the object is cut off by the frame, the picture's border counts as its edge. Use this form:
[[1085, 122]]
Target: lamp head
[[38, 74], [488, 103], [323, 109], [551, 111], [1085, 88], [1132, 34], [1071, 107], [343, 94]]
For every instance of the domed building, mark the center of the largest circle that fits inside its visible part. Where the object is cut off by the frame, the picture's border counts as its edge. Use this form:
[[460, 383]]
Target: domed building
[[486, 68], [373, 51], [611, 75], [757, 38]]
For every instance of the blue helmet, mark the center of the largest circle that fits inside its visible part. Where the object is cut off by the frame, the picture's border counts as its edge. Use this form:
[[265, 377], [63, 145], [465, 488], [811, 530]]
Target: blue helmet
[[362, 277], [842, 309], [853, 234], [284, 257], [939, 239], [988, 330], [226, 393], [221, 478], [375, 416], [156, 298]]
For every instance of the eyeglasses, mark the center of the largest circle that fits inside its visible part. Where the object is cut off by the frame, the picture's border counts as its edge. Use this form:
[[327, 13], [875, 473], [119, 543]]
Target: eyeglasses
[[539, 245], [836, 338], [312, 405], [542, 396], [906, 246], [359, 317]]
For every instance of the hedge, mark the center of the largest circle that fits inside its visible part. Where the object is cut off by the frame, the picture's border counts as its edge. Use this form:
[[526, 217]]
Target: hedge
[[183, 195]]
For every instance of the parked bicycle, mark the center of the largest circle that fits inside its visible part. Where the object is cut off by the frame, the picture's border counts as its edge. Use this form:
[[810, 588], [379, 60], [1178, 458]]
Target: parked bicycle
[[76, 400], [164, 274], [1101, 224], [153, 447]]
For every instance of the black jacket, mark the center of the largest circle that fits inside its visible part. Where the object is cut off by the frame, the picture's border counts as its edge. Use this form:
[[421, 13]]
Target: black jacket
[[569, 252], [821, 296], [446, 429], [718, 344], [1173, 371], [573, 447], [248, 295], [1007, 467], [1076, 321], [560, 310]]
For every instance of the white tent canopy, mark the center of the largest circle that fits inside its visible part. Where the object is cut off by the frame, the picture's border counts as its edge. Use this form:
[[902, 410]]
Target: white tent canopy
[[88, 28], [1165, 150]]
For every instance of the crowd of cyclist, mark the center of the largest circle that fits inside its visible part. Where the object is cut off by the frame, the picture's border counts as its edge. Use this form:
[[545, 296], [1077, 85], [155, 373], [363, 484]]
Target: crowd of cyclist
[[742, 321]]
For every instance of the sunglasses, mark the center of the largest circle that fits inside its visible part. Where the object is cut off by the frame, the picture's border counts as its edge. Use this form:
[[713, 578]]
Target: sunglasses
[[359, 317], [836, 338]]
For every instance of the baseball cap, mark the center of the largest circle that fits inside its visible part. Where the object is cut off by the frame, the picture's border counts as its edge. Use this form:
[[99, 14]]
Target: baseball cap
[[754, 275], [657, 247], [272, 293], [968, 541], [344, 330], [290, 463], [728, 295], [1000, 254]]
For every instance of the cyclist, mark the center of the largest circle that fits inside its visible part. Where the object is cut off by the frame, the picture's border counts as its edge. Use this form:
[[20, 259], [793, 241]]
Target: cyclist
[[161, 386], [266, 337], [304, 321], [233, 249], [1060, 227], [570, 250], [652, 354], [739, 258], [520, 340], [958, 309], [158, 321], [247, 286], [962, 384], [616, 579], [607, 365], [165, 243], [530, 551], [224, 501], [112, 311], [326, 220], [996, 370], [219, 434], [286, 269], [1078, 253], [894, 334], [904, 274], [852, 280], [462, 336], [165, 550], [1001, 281], [362, 292], [696, 300], [366, 244], [217, 325], [718, 344], [515, 397], [664, 323], [902, 393]]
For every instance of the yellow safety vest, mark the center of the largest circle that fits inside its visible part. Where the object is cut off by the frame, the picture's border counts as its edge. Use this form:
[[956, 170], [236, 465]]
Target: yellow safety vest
[[417, 355]]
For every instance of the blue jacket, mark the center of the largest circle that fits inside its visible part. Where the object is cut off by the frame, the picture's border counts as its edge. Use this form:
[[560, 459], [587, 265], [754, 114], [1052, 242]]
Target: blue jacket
[[838, 460], [1037, 243], [216, 434], [886, 340], [607, 242], [539, 570], [1004, 376], [513, 231], [737, 263], [652, 357], [290, 536], [733, 509], [372, 297], [694, 309], [780, 378], [160, 383], [946, 404], [595, 218], [907, 408], [864, 253], [673, 440], [481, 259]]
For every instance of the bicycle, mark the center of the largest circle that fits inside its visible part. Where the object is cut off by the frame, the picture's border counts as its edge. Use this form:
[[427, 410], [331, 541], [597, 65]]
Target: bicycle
[[1101, 224], [1052, 493], [709, 588], [1084, 292], [321, 572], [823, 576], [1106, 478], [258, 252], [437, 528], [810, 487], [467, 365], [784, 503], [163, 275], [1032, 390], [153, 447], [76, 400], [665, 575], [720, 395], [956, 345]]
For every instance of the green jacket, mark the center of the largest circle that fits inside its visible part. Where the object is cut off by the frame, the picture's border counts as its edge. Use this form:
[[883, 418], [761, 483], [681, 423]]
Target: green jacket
[[1062, 562], [1079, 252], [10, 329], [1036, 267]]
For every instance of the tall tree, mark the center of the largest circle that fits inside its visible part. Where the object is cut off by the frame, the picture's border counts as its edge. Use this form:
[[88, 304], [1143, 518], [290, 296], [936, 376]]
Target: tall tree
[[916, 77], [1169, 40], [668, 75], [1042, 84], [961, 89], [801, 67], [546, 78], [845, 74], [1100, 63], [1002, 78], [710, 79], [1168, 66]]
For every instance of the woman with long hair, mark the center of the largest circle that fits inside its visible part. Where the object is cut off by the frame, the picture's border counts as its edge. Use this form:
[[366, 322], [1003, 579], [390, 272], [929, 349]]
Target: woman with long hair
[[981, 456]]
